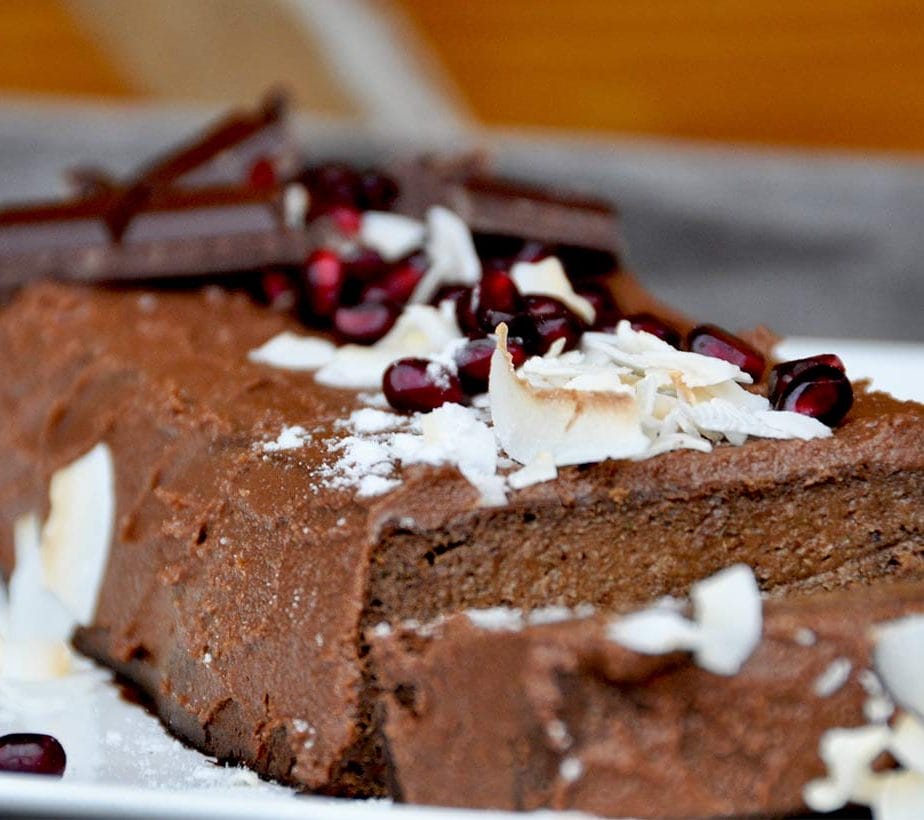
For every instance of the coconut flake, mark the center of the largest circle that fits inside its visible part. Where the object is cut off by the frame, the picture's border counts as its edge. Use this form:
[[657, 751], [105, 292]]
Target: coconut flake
[[572, 426], [725, 629], [293, 352], [452, 255], [295, 202], [78, 531], [496, 619], [34, 625], [542, 468], [833, 678], [899, 661], [729, 611], [391, 235], [848, 755], [548, 278]]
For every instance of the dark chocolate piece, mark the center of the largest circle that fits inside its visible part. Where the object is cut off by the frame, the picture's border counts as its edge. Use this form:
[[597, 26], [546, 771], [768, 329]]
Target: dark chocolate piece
[[178, 233], [491, 205]]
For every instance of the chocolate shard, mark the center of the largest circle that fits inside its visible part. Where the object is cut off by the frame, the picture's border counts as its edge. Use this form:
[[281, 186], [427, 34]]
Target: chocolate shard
[[178, 233], [492, 205]]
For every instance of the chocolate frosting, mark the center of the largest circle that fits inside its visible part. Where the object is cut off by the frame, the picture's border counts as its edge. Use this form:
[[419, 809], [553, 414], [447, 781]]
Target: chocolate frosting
[[240, 582]]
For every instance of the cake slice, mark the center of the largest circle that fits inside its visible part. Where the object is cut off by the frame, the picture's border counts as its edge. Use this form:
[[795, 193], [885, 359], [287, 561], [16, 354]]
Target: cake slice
[[496, 709], [246, 566], [232, 500]]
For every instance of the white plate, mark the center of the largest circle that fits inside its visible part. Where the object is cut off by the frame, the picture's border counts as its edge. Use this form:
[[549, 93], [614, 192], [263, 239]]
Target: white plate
[[121, 763]]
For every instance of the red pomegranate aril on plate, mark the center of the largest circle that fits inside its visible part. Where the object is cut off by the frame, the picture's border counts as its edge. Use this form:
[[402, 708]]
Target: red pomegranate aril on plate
[[364, 324], [30, 753], [710, 340], [495, 299], [649, 323], [821, 391], [395, 286], [782, 374], [277, 289], [465, 315], [419, 385], [346, 219], [365, 266], [473, 361], [262, 174], [606, 314], [323, 279], [451, 292], [547, 320], [377, 192]]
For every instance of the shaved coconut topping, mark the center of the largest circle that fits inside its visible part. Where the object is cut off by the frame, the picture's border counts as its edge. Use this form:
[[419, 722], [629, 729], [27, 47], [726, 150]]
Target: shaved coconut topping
[[290, 351], [849, 754], [452, 255], [899, 661], [627, 394], [391, 235], [78, 531], [541, 468], [548, 278], [724, 631], [35, 626], [421, 330]]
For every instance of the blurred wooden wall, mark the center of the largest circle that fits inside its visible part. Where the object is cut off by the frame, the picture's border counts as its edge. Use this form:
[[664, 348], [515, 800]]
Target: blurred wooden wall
[[841, 73]]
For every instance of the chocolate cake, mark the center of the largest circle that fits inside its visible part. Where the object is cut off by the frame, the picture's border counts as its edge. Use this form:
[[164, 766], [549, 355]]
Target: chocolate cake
[[271, 511]]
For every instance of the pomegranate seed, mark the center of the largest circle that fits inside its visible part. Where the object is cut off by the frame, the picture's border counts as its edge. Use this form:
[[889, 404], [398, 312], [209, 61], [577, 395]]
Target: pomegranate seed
[[331, 185], [32, 754], [545, 320], [323, 278], [395, 286], [277, 289], [782, 374], [653, 325], [365, 266], [346, 219], [821, 391], [465, 316], [605, 310], [262, 174], [474, 362], [418, 385], [495, 300], [364, 324], [377, 192], [710, 340]]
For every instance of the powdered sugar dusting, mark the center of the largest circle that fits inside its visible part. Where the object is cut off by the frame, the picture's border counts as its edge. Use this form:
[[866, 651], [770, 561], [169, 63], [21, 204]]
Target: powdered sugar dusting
[[289, 438]]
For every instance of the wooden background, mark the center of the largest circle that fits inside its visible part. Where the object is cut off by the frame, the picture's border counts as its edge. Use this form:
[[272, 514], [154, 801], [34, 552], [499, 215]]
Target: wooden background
[[833, 73]]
